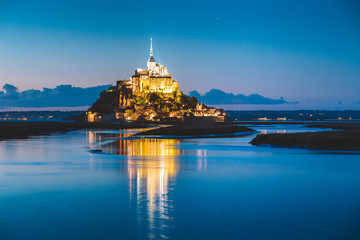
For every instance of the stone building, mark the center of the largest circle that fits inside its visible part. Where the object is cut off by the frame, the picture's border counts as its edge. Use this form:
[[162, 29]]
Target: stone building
[[155, 78], [151, 94]]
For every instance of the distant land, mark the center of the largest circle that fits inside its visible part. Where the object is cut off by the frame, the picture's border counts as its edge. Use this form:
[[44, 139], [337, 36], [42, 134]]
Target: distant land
[[36, 116], [297, 115], [265, 116]]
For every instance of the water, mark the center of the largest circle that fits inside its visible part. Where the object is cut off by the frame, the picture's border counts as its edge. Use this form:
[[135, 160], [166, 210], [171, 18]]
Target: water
[[51, 187]]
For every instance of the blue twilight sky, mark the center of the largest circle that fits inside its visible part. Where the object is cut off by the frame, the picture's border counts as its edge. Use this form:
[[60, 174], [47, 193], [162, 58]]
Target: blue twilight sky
[[305, 51]]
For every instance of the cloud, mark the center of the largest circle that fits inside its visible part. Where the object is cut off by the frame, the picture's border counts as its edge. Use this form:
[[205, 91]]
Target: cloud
[[216, 96], [10, 93], [10, 89], [60, 96], [70, 96]]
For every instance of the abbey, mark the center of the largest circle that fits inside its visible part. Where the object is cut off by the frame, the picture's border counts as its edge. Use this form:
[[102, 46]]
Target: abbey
[[155, 78], [151, 94]]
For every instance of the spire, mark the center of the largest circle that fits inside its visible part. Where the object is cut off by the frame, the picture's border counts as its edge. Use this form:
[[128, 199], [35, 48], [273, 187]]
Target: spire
[[151, 58], [151, 49]]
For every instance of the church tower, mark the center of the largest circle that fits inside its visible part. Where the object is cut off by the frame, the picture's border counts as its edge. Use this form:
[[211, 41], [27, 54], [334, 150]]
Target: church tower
[[151, 62]]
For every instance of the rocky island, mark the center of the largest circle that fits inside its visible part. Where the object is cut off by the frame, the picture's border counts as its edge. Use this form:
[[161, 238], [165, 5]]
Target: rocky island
[[151, 95]]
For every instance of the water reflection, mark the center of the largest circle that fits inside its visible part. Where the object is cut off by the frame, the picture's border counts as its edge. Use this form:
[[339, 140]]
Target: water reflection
[[267, 131], [152, 167], [155, 189], [97, 139], [150, 186], [145, 147]]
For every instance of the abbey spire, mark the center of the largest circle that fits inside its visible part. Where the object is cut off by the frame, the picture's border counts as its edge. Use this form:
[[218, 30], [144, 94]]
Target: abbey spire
[[151, 50], [151, 58]]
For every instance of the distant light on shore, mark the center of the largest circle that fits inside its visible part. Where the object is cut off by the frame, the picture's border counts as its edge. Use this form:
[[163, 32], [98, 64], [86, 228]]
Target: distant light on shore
[[64, 109]]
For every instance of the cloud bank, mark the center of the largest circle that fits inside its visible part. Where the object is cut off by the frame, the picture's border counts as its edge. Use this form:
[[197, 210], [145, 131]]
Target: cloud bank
[[70, 96], [216, 96], [60, 96]]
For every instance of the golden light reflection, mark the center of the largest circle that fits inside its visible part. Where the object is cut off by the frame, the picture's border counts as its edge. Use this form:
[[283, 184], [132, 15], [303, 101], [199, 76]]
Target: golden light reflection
[[152, 167], [150, 185], [272, 131], [151, 181], [148, 147], [97, 139]]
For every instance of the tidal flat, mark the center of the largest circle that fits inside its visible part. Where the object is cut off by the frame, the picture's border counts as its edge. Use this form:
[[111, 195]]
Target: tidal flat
[[52, 187], [346, 137], [25, 129]]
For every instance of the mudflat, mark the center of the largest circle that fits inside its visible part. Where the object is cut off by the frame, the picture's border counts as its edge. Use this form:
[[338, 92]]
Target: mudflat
[[19, 130], [347, 139]]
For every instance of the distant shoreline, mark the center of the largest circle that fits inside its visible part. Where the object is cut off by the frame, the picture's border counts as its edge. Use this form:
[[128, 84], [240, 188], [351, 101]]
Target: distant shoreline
[[264, 116]]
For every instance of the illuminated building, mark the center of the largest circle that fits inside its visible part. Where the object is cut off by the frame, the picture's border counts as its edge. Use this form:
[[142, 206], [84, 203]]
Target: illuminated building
[[151, 94], [154, 78]]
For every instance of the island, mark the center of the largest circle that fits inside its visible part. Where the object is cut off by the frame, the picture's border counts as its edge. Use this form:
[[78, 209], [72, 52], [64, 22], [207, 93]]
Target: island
[[152, 94], [346, 137]]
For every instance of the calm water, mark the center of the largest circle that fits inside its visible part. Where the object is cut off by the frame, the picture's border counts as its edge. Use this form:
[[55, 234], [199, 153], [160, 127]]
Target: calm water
[[219, 188]]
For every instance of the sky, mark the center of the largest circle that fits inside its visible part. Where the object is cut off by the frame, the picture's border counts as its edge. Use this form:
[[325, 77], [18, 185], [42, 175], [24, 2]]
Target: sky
[[304, 51]]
